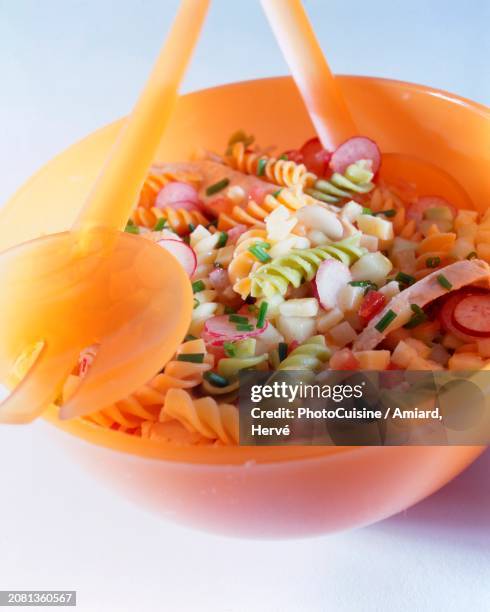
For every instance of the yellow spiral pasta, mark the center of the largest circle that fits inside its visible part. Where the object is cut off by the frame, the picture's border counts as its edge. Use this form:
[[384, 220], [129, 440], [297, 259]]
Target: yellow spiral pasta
[[180, 220], [146, 402], [355, 180], [205, 246], [205, 416], [280, 171], [301, 265], [253, 214], [310, 355]]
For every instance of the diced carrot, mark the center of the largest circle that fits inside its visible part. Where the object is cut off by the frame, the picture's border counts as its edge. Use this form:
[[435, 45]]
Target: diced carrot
[[396, 336], [438, 242], [426, 332], [483, 251], [409, 229], [467, 348]]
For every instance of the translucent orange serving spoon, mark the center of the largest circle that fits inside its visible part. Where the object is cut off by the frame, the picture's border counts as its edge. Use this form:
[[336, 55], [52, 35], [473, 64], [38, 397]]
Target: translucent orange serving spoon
[[97, 284], [328, 110]]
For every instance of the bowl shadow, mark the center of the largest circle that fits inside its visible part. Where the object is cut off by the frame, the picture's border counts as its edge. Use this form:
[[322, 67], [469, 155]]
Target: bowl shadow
[[459, 512]]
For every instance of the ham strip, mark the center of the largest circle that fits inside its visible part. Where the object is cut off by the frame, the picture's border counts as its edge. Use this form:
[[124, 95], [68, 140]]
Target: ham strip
[[213, 172], [421, 293]]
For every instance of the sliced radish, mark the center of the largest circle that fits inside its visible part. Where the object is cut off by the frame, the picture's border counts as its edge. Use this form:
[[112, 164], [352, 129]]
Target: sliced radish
[[220, 329], [235, 232], [472, 315], [446, 314], [294, 155], [182, 252], [219, 278], [257, 189], [330, 278], [417, 209], [178, 195], [315, 157], [352, 151]]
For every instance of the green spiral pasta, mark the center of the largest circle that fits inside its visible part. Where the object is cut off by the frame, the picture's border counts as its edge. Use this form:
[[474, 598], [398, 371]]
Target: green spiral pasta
[[356, 179], [301, 265], [310, 355]]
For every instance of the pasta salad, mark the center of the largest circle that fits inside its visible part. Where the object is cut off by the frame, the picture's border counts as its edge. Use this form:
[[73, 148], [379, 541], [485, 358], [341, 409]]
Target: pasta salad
[[301, 261]]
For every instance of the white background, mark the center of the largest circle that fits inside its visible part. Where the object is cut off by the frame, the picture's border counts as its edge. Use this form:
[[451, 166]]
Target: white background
[[66, 68]]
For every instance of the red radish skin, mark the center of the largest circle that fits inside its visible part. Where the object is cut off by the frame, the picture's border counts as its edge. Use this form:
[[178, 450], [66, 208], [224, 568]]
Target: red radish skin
[[220, 329], [446, 314], [352, 151], [315, 157], [182, 252], [331, 277], [472, 315], [417, 209], [178, 195], [294, 155]]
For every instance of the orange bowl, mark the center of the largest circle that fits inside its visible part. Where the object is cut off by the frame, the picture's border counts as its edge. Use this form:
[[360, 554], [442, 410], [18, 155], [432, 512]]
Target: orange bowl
[[268, 492]]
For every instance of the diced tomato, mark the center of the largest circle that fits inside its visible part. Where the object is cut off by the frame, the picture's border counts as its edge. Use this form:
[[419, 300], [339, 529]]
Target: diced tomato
[[315, 157], [344, 360], [372, 303]]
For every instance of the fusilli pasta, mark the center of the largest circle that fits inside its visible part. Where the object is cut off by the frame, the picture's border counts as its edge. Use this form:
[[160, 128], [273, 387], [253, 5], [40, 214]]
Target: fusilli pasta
[[301, 265], [355, 180], [280, 171], [204, 415]]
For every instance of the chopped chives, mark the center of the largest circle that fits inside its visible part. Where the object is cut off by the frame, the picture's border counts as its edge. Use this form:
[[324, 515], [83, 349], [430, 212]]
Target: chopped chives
[[276, 193], [223, 239], [244, 328], [385, 320], [284, 157], [405, 279], [442, 280], [261, 166], [252, 308], [282, 350], [131, 228], [387, 213], [216, 379], [191, 227], [432, 262], [229, 349], [191, 357], [159, 225], [263, 244], [368, 285], [418, 317], [472, 255], [196, 302], [259, 253], [234, 318], [215, 187], [198, 286], [229, 309], [261, 316], [366, 210], [189, 337]]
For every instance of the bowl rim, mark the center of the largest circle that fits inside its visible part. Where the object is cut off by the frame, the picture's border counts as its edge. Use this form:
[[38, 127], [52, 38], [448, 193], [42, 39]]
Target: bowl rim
[[224, 455]]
